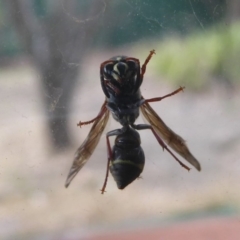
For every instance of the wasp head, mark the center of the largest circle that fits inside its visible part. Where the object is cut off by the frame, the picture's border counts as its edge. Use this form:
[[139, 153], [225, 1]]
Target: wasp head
[[120, 75]]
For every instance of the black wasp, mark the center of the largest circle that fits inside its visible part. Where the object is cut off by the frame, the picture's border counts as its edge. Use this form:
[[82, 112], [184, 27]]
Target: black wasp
[[121, 78]]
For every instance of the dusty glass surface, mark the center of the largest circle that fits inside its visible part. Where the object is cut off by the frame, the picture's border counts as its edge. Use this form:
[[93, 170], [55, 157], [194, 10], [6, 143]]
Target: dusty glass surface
[[50, 55]]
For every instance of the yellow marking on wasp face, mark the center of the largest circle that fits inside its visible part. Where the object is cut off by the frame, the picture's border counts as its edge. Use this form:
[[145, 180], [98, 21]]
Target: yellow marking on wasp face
[[119, 58], [115, 68], [115, 76]]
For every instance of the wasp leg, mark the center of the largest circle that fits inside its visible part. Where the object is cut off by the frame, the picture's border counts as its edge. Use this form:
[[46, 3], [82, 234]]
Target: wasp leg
[[168, 95], [160, 141], [100, 114], [146, 62], [110, 155], [108, 164]]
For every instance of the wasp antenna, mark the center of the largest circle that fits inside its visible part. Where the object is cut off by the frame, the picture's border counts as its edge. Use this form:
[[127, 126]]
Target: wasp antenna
[[153, 51], [182, 88], [102, 191], [79, 124]]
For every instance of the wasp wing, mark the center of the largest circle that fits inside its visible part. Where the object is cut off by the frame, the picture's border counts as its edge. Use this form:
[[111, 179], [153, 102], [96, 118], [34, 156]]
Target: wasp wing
[[88, 146], [170, 137]]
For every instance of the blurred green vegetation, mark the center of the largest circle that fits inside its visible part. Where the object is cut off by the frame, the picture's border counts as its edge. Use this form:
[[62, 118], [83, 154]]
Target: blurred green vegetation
[[135, 20], [125, 22], [9, 42], [201, 57], [193, 47]]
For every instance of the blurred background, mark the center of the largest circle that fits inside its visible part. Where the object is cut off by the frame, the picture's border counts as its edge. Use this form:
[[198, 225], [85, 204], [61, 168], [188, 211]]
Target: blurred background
[[50, 53]]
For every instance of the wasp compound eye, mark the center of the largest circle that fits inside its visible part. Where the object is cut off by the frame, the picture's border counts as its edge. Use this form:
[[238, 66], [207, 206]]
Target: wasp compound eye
[[132, 65], [108, 69]]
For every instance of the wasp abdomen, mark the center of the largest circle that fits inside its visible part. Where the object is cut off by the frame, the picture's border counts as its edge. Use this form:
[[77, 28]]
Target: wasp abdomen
[[127, 165]]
